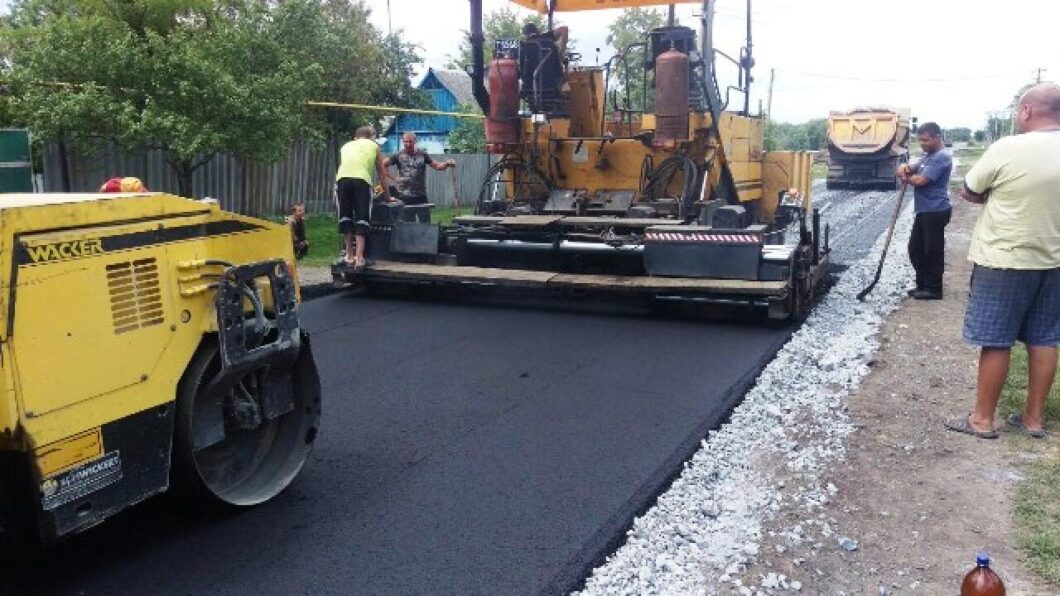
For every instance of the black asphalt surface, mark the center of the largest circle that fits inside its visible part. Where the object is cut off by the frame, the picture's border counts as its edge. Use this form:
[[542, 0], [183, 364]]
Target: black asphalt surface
[[464, 450]]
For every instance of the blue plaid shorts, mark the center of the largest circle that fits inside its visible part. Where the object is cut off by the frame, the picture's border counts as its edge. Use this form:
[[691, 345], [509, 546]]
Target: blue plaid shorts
[[1006, 305]]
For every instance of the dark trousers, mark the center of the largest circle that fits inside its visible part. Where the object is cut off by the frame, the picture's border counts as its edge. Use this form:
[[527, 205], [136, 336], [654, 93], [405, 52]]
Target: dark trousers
[[927, 248], [301, 248]]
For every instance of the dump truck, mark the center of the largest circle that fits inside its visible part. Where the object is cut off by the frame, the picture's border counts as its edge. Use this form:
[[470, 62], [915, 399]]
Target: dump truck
[[146, 341], [673, 200], [865, 147]]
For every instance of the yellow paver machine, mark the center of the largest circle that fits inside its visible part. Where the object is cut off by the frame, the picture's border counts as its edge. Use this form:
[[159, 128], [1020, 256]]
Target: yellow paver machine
[[671, 197], [145, 338]]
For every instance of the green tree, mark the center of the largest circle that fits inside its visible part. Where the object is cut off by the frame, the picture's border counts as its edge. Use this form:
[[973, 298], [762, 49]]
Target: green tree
[[195, 78], [469, 136], [504, 23], [162, 75], [363, 66], [816, 134], [775, 135], [998, 124], [807, 136], [958, 135], [628, 79]]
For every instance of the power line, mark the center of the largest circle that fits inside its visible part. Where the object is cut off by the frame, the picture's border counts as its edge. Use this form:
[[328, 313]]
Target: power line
[[373, 108], [821, 75]]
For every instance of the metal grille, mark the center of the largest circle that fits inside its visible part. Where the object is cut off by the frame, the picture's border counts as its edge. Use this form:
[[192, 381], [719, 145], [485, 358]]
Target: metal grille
[[135, 298]]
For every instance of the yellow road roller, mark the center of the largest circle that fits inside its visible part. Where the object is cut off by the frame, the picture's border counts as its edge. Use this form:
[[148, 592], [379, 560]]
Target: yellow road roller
[[146, 341]]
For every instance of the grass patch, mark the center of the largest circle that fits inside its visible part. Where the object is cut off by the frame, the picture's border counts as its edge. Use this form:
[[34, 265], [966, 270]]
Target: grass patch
[[1036, 506], [322, 230], [445, 215], [1037, 513], [972, 152], [966, 157], [819, 170], [1014, 395]]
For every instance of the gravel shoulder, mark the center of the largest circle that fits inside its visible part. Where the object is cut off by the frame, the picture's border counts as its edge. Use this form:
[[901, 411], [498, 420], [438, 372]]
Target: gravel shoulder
[[315, 281], [917, 500], [835, 475]]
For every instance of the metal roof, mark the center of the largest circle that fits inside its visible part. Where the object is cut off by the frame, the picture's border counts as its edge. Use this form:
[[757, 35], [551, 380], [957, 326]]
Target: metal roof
[[458, 83]]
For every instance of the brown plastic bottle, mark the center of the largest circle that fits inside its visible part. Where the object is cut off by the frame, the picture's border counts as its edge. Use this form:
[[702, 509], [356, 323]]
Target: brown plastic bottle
[[982, 581]]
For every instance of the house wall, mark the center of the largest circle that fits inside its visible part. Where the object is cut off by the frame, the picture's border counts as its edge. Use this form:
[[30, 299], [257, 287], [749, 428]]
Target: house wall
[[431, 143], [432, 132]]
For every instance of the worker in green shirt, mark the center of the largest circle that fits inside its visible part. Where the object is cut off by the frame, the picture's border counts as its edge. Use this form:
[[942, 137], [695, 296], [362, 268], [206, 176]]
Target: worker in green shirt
[[358, 160]]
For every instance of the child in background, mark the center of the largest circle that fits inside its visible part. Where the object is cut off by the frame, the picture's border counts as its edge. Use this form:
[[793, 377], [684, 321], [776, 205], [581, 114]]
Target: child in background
[[296, 221]]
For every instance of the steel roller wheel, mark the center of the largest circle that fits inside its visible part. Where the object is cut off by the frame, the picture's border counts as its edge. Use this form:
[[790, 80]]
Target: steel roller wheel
[[255, 460]]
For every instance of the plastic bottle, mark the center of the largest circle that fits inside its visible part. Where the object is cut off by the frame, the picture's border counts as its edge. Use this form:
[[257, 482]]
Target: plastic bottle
[[982, 581]]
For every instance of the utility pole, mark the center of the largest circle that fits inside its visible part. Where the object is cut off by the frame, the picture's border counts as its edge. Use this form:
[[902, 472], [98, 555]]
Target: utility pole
[[671, 18], [389, 22], [746, 62], [769, 101], [1038, 78]]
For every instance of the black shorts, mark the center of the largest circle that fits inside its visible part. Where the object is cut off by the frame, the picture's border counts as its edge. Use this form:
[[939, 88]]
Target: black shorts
[[355, 202]]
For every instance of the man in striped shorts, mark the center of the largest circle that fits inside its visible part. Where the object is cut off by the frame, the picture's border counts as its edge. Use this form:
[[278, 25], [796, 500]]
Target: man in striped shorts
[[1015, 293]]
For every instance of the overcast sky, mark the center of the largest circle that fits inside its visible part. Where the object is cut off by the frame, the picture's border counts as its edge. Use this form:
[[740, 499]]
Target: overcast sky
[[950, 61]]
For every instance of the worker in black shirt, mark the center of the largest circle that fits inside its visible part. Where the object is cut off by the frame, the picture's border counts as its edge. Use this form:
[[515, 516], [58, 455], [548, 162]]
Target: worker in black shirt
[[411, 163]]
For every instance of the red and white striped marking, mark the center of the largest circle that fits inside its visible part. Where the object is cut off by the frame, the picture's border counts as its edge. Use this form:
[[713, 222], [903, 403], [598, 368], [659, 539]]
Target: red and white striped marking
[[707, 238]]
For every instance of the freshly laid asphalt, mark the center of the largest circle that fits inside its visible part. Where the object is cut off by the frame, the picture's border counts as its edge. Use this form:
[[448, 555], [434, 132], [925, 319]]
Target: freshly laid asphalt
[[464, 450]]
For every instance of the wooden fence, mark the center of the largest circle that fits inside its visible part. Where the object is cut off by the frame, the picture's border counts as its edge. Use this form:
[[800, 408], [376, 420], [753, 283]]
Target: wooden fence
[[307, 175]]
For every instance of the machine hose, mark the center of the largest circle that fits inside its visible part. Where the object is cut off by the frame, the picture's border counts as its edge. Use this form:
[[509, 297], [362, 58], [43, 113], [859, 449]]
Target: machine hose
[[659, 181], [508, 162], [259, 309]]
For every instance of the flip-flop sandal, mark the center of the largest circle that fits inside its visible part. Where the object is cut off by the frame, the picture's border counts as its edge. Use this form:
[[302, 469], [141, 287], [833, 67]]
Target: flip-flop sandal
[[1016, 420], [962, 425], [359, 264]]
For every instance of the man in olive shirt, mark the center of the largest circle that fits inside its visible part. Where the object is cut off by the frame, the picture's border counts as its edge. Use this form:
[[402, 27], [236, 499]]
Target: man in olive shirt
[[1015, 293]]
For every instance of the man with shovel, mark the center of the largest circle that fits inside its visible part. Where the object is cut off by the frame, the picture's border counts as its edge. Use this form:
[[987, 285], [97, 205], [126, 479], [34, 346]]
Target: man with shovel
[[930, 178]]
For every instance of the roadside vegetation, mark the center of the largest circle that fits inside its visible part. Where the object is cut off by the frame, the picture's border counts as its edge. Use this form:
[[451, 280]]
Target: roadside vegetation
[[197, 78], [1037, 501]]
